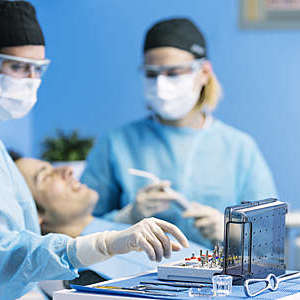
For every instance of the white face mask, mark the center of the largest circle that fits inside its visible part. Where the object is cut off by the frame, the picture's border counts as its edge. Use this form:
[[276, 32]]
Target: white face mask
[[17, 96], [174, 97]]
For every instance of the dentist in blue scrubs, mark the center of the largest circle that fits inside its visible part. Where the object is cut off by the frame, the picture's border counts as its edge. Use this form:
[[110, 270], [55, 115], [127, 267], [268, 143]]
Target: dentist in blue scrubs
[[196, 155], [26, 256]]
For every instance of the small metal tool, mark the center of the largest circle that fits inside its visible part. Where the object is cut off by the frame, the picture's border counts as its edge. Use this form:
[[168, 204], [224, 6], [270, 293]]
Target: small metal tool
[[214, 257], [271, 283], [177, 284], [151, 287], [136, 291]]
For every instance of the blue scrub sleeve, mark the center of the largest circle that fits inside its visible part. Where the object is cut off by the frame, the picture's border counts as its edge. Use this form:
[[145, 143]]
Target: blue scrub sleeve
[[27, 257], [99, 175], [258, 182]]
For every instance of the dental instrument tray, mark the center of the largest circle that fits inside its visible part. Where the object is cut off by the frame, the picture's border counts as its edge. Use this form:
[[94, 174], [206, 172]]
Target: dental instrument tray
[[253, 246]]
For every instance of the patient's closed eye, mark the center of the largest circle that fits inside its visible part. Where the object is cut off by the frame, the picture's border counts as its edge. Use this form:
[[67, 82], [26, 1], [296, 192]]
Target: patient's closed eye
[[43, 174]]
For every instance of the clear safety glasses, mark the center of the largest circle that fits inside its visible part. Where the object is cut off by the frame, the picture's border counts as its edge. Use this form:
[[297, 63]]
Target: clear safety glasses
[[153, 71], [21, 67]]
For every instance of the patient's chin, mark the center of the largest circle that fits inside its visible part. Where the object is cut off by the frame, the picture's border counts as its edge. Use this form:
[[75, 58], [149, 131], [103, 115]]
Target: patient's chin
[[94, 196], [90, 197]]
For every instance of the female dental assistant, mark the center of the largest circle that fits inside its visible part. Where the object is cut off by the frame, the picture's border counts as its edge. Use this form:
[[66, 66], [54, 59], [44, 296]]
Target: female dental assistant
[[26, 256], [212, 164]]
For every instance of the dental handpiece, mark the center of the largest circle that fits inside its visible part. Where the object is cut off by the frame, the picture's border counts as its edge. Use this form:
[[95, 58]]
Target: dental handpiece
[[181, 201]]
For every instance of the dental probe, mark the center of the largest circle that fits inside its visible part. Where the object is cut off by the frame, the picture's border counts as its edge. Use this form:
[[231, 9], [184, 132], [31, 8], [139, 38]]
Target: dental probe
[[181, 201]]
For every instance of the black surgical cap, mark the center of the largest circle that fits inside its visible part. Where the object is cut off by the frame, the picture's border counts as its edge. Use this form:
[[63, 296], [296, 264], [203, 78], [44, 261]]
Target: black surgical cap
[[178, 33], [19, 25]]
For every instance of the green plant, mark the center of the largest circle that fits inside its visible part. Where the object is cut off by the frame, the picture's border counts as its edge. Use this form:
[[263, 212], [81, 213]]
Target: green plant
[[66, 147]]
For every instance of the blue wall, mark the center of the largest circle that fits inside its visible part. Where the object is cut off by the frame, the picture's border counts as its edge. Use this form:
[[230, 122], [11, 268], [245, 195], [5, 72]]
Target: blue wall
[[17, 135], [93, 83]]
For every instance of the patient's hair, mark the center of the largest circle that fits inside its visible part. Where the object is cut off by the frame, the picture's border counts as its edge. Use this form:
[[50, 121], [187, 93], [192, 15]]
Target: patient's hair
[[14, 155]]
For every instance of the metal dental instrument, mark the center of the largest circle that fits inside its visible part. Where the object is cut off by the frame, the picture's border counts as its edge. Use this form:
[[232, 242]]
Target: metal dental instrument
[[151, 287], [271, 283], [181, 201], [136, 291], [177, 284]]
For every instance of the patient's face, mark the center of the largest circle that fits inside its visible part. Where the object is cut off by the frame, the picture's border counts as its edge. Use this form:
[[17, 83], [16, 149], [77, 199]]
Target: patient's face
[[56, 191]]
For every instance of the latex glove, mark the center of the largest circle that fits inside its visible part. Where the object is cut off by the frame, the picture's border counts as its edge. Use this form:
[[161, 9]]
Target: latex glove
[[208, 220], [150, 200], [148, 235], [153, 199]]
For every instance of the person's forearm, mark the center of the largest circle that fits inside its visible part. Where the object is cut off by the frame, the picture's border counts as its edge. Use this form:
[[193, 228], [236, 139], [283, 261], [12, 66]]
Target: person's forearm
[[93, 244], [29, 257]]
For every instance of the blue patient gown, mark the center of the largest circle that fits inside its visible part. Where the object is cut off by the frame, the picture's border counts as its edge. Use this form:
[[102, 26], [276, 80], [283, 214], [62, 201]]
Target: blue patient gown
[[216, 166], [25, 256]]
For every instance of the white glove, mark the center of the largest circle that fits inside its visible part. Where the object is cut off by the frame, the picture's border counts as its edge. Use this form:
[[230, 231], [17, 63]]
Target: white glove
[[150, 200], [147, 235], [208, 220]]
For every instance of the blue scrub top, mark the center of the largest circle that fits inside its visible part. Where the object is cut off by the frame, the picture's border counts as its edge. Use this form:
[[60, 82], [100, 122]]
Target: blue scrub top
[[25, 256], [216, 166]]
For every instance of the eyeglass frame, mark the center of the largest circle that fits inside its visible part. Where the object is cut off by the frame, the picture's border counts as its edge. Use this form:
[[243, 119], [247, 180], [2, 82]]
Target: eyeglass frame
[[158, 69], [35, 62]]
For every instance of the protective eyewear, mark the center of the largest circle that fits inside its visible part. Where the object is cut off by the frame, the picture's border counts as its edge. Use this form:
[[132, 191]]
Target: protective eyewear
[[153, 71], [21, 67]]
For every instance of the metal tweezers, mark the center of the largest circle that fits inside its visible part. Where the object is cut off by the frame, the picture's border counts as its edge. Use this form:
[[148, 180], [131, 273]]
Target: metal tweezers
[[136, 291], [271, 283], [182, 284], [151, 287]]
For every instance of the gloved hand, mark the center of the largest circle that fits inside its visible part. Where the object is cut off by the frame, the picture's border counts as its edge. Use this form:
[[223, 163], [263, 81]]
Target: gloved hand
[[148, 235], [150, 200], [208, 220]]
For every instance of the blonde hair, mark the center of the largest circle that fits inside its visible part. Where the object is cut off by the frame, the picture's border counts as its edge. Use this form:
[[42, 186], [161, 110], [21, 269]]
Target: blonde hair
[[210, 94]]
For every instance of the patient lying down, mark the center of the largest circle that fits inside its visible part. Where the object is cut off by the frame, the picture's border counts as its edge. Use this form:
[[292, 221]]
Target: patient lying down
[[64, 206]]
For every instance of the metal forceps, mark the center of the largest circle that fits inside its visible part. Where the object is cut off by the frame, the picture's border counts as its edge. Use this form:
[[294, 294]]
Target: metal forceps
[[271, 283], [150, 287]]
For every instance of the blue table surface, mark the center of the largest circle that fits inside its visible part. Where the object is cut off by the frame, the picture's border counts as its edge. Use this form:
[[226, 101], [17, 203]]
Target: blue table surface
[[287, 288]]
